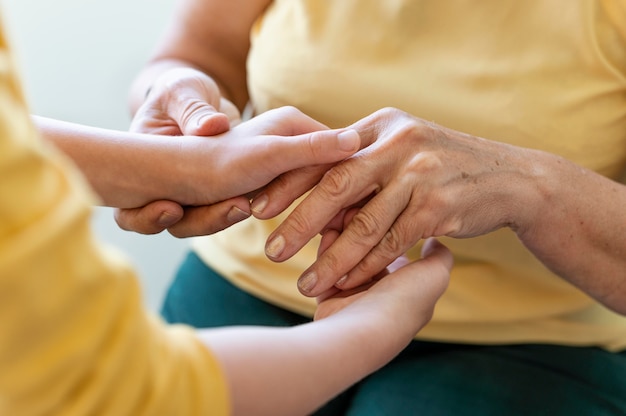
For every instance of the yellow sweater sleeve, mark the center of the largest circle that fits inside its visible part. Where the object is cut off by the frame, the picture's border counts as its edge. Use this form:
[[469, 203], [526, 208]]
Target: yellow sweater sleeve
[[74, 338]]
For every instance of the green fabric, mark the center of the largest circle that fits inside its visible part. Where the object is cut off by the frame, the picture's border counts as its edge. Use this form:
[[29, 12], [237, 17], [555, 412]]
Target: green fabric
[[429, 378]]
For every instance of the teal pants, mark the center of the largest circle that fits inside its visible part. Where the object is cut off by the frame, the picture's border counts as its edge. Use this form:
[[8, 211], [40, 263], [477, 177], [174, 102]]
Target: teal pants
[[429, 378]]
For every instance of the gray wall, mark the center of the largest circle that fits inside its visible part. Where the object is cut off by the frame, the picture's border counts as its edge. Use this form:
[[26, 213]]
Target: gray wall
[[78, 58]]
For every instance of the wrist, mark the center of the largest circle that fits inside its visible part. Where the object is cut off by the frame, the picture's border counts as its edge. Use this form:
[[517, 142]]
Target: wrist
[[537, 195]]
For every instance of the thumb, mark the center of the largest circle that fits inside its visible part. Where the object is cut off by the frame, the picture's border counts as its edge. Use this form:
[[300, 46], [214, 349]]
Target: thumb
[[203, 119]]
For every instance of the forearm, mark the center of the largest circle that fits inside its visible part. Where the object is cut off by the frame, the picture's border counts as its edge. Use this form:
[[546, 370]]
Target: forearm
[[577, 227], [290, 371], [125, 169], [204, 35]]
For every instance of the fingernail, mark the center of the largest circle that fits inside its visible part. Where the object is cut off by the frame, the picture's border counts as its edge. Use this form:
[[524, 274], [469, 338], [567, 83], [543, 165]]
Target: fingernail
[[259, 203], [236, 214], [307, 282], [341, 281], [275, 247], [349, 140], [166, 219]]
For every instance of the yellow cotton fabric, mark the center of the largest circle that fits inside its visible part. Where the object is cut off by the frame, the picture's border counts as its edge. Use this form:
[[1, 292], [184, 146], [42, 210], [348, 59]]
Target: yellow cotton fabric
[[541, 74], [74, 339]]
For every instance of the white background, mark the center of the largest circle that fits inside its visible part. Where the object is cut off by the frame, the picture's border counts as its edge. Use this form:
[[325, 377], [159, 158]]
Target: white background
[[77, 60]]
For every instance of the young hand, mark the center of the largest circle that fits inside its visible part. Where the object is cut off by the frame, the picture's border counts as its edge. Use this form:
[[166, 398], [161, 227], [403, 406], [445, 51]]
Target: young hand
[[219, 174]]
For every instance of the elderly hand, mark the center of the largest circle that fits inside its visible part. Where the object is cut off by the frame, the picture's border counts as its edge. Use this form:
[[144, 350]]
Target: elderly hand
[[415, 180], [408, 289]]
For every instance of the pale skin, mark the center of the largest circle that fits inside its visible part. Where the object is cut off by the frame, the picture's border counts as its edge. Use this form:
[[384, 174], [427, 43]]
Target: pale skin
[[129, 169]]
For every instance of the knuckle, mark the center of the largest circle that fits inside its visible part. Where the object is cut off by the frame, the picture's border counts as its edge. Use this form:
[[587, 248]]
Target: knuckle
[[315, 144], [287, 112], [392, 244], [290, 110], [366, 227], [389, 112], [336, 182], [298, 224], [388, 249]]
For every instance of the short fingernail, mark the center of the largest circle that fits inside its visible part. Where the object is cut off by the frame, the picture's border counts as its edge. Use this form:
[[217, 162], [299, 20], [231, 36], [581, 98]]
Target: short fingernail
[[307, 282], [259, 203], [275, 247], [236, 214], [166, 219], [349, 140]]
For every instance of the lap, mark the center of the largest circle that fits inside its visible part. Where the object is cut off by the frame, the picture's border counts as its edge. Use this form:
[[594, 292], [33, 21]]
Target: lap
[[428, 378], [449, 379]]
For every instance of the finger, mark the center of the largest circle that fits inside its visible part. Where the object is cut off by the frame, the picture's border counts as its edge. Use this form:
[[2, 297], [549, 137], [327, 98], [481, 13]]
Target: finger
[[333, 291], [150, 119], [210, 219], [283, 121], [364, 231], [279, 194], [340, 187], [427, 279], [317, 148], [312, 153], [204, 121], [150, 219], [401, 234], [328, 238], [195, 105]]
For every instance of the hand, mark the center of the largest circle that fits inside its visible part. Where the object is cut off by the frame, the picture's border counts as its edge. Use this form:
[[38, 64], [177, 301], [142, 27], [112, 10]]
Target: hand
[[185, 101], [415, 180], [409, 290], [236, 164]]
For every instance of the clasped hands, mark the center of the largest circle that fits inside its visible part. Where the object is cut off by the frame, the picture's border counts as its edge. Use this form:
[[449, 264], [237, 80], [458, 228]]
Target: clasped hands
[[400, 180]]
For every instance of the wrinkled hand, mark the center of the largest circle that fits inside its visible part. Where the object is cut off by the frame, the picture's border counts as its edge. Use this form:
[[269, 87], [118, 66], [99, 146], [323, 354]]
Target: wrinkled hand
[[415, 180], [404, 289]]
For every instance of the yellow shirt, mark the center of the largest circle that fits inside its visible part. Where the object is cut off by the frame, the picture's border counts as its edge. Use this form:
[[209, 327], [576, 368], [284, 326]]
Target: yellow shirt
[[74, 339], [542, 74]]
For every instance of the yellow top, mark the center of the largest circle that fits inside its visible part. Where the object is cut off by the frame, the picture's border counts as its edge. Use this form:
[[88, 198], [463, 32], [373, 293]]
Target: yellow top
[[74, 337], [546, 75]]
